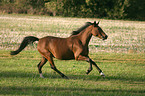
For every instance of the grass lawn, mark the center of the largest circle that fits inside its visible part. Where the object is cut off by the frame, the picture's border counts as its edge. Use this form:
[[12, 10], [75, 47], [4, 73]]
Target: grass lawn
[[125, 76]]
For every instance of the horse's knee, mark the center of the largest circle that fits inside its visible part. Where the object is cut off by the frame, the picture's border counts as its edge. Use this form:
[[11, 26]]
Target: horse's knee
[[83, 58], [76, 58]]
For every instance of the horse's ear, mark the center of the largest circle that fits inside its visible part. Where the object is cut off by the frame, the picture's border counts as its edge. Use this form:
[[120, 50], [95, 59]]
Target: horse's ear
[[98, 23], [94, 22]]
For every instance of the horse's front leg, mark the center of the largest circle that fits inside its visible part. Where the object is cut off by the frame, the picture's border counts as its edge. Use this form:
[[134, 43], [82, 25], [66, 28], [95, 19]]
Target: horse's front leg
[[80, 57], [100, 71], [89, 69], [85, 58], [40, 65]]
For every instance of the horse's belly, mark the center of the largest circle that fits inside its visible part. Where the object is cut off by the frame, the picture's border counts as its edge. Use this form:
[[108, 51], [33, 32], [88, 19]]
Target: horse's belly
[[60, 48], [64, 55]]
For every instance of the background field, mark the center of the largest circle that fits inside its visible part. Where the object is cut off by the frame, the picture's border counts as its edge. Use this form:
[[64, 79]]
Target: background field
[[121, 57], [123, 35]]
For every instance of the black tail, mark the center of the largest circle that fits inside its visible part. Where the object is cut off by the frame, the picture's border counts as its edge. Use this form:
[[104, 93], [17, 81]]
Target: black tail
[[27, 40]]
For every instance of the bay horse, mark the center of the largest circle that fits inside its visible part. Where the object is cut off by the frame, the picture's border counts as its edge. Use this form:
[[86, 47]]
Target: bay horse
[[73, 47]]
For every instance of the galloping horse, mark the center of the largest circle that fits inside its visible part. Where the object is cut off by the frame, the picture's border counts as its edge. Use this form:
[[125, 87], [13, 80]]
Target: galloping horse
[[72, 47]]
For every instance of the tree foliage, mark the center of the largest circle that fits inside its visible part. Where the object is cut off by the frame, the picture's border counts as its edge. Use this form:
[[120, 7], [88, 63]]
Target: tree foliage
[[21, 6], [114, 9]]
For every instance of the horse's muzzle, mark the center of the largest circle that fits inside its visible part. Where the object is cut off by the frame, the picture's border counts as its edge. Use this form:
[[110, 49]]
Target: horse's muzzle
[[104, 38]]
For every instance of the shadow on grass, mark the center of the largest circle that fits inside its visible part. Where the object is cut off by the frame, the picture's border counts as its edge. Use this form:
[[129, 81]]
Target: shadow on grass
[[107, 78], [47, 90], [8, 74], [59, 91]]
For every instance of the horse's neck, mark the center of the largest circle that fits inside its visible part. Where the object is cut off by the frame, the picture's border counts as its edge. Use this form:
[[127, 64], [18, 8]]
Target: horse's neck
[[85, 35]]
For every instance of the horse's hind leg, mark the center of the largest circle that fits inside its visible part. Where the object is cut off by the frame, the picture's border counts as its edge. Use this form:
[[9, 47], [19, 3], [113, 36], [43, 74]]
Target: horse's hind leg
[[50, 59], [40, 65]]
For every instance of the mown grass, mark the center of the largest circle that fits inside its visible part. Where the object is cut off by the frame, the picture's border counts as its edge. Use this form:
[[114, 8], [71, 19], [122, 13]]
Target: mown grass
[[125, 75]]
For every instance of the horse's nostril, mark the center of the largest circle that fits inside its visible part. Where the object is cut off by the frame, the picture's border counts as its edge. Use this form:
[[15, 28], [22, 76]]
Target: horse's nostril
[[104, 38]]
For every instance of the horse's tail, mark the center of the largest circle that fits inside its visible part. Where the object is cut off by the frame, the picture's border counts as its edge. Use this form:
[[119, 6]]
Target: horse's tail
[[27, 40]]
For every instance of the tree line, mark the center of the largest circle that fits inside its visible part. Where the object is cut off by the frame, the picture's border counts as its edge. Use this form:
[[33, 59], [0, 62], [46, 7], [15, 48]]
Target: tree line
[[112, 9]]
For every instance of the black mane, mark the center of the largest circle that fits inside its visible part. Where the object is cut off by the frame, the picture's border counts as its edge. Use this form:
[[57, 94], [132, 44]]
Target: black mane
[[81, 29]]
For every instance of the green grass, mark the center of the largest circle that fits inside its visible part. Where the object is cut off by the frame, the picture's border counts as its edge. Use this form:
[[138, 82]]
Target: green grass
[[125, 75]]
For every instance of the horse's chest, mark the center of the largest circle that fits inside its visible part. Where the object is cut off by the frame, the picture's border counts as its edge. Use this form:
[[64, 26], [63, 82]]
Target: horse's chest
[[85, 51]]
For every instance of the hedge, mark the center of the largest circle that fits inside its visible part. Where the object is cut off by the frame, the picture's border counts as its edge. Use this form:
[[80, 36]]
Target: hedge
[[113, 9]]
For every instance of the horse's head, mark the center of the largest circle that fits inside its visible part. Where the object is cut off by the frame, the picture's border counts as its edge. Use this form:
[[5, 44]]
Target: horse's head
[[97, 31]]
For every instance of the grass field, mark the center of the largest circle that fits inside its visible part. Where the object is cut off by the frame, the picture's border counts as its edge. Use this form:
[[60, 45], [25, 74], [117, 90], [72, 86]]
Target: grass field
[[125, 76], [121, 57]]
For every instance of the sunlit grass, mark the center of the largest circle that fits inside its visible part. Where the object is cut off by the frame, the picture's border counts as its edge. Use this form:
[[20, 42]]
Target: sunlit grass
[[123, 35]]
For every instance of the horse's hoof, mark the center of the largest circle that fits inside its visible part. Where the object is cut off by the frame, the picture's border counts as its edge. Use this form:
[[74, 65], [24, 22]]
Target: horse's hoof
[[87, 72], [41, 76], [102, 74], [65, 77]]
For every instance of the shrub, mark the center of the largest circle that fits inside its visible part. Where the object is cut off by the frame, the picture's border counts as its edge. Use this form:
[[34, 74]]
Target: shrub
[[54, 7], [114, 9], [22, 6]]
